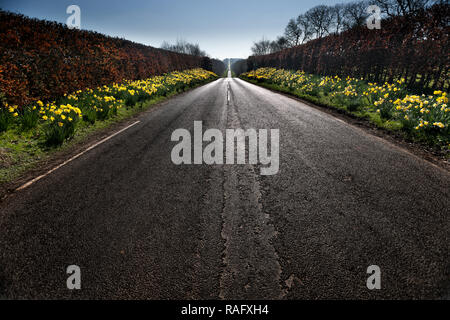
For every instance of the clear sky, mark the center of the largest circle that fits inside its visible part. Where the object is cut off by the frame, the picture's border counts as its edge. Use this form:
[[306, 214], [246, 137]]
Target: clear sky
[[224, 29]]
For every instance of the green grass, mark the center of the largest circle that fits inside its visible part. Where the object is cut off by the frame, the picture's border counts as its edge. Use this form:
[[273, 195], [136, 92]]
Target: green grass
[[18, 152], [21, 151]]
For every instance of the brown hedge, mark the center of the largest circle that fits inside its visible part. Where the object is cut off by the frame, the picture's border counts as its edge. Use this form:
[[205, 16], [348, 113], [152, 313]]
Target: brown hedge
[[415, 47], [43, 60]]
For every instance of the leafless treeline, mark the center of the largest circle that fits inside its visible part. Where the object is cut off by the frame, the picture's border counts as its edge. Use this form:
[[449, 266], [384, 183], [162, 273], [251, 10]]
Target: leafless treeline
[[323, 20], [182, 46]]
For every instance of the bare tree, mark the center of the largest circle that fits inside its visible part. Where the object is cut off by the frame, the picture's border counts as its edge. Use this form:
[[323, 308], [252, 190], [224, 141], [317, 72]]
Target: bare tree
[[321, 19], [194, 49], [338, 15], [403, 7], [292, 33], [166, 45], [356, 14], [305, 26], [261, 47], [182, 46], [279, 44]]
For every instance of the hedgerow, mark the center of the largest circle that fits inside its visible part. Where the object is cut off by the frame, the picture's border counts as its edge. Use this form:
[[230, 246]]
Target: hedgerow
[[413, 47], [42, 60]]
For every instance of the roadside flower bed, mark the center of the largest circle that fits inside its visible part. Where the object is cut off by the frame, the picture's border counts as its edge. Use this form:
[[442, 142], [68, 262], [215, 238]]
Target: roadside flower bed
[[427, 117], [58, 120]]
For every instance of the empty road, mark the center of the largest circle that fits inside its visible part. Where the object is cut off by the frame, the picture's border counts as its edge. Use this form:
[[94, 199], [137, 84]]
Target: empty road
[[141, 227]]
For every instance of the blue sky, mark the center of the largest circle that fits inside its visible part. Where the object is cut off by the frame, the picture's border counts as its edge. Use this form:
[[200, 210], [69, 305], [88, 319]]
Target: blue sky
[[224, 29]]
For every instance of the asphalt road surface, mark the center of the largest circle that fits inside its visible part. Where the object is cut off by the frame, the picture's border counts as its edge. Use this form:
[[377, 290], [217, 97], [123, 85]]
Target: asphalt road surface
[[141, 227]]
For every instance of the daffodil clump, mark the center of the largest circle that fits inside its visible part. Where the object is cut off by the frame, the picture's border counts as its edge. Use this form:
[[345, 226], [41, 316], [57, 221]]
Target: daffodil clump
[[427, 116], [7, 115], [58, 119], [423, 113]]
